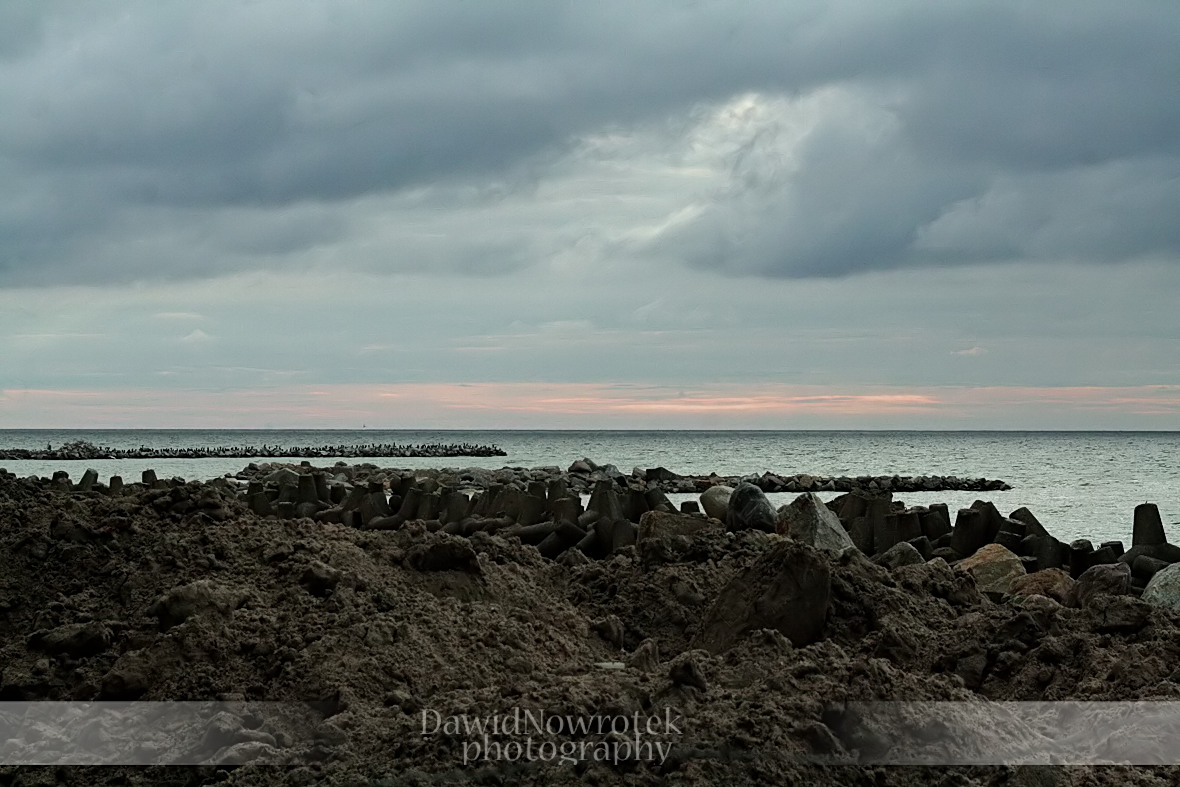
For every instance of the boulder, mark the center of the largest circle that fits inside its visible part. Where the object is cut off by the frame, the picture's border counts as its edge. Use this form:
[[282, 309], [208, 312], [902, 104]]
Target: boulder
[[749, 509], [584, 466], [788, 589], [1097, 582], [1164, 588], [1148, 528], [715, 501], [809, 520], [656, 524], [994, 567], [1050, 582], [898, 555]]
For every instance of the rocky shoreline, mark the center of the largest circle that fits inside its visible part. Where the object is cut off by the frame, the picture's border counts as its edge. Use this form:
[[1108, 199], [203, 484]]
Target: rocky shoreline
[[379, 597]]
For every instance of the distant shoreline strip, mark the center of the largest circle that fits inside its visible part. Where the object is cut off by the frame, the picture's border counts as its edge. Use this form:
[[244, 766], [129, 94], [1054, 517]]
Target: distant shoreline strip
[[368, 450]]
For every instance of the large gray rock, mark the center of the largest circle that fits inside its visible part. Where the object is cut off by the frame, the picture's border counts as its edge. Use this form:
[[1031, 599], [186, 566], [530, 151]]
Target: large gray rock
[[750, 510], [715, 501], [787, 589], [1110, 579], [1164, 588], [994, 568], [1050, 582], [809, 520]]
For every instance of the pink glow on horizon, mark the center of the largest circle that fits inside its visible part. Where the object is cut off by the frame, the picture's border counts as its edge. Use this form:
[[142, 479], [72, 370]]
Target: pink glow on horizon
[[562, 405]]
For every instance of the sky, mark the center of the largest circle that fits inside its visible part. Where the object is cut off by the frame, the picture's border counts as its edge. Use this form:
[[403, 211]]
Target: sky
[[555, 214]]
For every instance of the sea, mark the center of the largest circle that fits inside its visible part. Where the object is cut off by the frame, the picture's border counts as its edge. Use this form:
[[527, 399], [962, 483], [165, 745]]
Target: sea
[[1078, 484]]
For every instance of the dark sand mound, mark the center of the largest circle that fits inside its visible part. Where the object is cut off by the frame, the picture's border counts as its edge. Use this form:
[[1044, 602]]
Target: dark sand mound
[[182, 593]]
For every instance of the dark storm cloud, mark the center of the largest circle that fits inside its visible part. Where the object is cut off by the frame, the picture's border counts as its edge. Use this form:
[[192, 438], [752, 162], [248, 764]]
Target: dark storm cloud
[[973, 131]]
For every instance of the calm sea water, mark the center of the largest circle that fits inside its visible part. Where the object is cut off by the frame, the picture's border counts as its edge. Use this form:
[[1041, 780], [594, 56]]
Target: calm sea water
[[1079, 484]]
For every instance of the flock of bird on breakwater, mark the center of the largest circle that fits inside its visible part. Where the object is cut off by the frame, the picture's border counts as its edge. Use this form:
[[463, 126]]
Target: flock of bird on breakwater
[[86, 450]]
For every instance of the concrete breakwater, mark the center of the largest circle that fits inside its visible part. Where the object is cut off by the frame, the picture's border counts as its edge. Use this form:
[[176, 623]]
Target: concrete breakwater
[[582, 475], [84, 450], [544, 507]]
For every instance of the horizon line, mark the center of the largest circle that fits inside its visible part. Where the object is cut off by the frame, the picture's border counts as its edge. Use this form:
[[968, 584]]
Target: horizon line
[[548, 429]]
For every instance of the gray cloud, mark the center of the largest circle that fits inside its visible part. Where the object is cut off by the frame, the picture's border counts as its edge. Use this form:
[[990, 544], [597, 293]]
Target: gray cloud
[[192, 139]]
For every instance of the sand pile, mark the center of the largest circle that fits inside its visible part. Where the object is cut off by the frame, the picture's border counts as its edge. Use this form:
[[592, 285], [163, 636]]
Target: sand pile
[[742, 644]]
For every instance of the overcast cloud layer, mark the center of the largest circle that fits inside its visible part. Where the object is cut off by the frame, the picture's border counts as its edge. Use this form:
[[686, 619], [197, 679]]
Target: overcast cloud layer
[[263, 194]]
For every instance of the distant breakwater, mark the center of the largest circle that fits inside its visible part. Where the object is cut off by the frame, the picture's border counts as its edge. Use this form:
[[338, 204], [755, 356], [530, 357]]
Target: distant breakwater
[[86, 451]]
